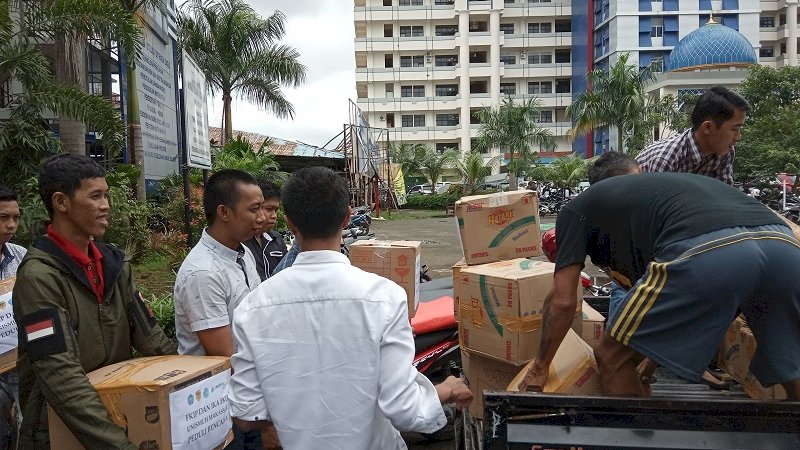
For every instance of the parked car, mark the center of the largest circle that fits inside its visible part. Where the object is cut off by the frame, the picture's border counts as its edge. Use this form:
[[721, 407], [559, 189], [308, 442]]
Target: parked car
[[420, 189]]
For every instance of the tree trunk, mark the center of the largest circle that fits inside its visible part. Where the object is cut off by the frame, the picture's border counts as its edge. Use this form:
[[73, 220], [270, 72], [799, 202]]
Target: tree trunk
[[620, 147], [135, 144], [512, 175], [226, 113], [71, 69]]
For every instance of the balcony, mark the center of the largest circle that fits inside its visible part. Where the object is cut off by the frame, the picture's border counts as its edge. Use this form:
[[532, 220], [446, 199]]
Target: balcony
[[521, 8], [445, 42], [425, 133], [482, 38], [480, 100], [413, 12], [537, 70], [535, 40], [480, 70]]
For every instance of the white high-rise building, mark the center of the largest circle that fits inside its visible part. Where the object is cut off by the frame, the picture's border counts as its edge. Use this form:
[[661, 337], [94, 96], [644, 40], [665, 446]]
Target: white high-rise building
[[425, 67]]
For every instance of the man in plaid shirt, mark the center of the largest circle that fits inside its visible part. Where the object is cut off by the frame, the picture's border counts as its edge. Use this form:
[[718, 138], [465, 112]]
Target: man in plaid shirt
[[707, 147]]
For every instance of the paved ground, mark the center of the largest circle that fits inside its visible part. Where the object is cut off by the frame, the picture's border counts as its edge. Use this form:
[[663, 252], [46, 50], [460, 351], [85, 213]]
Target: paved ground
[[441, 248]]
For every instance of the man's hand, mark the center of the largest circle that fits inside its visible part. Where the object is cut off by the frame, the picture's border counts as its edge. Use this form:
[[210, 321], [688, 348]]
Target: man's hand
[[536, 378], [453, 390]]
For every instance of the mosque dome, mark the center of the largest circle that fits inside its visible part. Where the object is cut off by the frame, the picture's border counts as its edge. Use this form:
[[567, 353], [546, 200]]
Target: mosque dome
[[709, 47]]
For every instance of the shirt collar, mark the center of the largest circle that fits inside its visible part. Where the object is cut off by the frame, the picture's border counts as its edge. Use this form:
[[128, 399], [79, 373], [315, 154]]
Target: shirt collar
[[220, 249], [267, 237], [321, 257], [7, 255], [693, 148], [74, 252]]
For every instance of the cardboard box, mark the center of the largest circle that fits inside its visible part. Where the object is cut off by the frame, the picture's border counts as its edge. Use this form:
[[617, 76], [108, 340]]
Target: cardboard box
[[573, 370], [734, 357], [164, 402], [593, 325], [501, 305], [485, 374], [499, 226], [456, 273], [8, 327], [399, 261]]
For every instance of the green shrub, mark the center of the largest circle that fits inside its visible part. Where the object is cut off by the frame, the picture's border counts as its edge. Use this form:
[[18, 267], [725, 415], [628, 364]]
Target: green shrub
[[164, 309], [434, 201]]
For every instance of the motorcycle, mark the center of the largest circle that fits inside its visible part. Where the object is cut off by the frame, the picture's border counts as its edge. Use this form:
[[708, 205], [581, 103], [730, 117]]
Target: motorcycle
[[436, 339], [360, 217]]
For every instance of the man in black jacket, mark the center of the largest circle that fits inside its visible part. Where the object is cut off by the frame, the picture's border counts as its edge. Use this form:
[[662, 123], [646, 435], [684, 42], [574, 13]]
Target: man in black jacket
[[268, 246]]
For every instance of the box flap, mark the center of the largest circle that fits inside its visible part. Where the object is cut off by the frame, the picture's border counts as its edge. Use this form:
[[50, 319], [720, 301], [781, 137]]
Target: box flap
[[591, 314], [494, 200], [383, 244], [7, 285], [153, 372], [513, 269]]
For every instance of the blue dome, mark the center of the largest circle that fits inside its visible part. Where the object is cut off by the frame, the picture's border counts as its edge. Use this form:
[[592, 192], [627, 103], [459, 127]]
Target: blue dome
[[710, 46]]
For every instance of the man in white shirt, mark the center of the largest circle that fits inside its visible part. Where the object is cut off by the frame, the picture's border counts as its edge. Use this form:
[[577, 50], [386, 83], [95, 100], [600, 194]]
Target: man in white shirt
[[219, 271], [324, 349]]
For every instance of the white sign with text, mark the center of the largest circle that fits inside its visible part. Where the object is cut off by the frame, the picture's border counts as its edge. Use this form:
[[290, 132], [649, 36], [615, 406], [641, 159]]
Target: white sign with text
[[8, 327], [195, 114], [199, 414]]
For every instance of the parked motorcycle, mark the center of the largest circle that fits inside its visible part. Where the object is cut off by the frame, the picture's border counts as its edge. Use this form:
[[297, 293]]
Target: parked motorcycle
[[360, 217]]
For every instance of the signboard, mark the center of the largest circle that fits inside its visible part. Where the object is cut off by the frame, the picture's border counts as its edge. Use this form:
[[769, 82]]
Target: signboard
[[8, 328], [199, 414], [195, 114], [155, 85]]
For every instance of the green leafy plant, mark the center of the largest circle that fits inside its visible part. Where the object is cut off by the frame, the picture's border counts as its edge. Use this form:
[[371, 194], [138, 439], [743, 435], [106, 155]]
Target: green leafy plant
[[163, 307]]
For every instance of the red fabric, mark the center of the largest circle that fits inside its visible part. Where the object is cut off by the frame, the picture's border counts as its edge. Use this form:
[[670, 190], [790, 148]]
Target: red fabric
[[434, 315], [91, 264], [549, 244]]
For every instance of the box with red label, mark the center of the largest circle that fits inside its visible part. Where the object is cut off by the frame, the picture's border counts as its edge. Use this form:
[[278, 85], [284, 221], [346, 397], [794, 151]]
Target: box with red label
[[399, 261], [593, 325], [456, 273], [499, 226], [500, 311]]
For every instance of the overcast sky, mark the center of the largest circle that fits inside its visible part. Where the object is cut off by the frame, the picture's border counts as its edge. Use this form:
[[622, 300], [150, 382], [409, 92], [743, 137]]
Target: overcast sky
[[322, 31]]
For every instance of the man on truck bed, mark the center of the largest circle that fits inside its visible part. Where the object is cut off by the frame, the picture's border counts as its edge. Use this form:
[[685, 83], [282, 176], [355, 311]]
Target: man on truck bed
[[692, 251]]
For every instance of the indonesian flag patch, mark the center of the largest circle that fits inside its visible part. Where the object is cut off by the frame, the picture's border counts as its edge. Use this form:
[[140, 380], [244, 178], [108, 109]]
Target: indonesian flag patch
[[45, 333], [40, 330]]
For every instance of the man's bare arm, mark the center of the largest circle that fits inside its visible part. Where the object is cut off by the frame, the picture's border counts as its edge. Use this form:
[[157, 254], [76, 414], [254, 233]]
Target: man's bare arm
[[217, 341]]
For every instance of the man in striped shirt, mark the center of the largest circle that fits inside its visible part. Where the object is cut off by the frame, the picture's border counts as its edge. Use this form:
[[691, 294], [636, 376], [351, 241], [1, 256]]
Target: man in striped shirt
[[708, 147]]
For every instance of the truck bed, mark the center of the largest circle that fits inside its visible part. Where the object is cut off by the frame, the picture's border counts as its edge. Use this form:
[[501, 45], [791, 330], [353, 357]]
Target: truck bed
[[679, 415]]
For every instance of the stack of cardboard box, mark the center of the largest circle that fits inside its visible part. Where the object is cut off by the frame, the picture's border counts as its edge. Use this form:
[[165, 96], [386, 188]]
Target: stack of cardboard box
[[499, 293], [735, 355]]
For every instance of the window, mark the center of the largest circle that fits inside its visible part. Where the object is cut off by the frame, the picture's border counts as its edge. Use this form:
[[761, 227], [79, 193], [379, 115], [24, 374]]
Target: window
[[442, 147], [563, 56], [539, 1], [767, 22], [412, 61], [390, 120], [783, 48], [478, 27], [416, 90], [411, 31], [563, 26], [388, 30], [389, 90], [474, 118], [657, 27], [544, 117], [477, 57], [508, 59], [416, 120], [540, 87], [478, 87], [766, 52], [508, 88], [507, 28], [446, 90], [782, 20], [387, 2], [445, 60], [444, 2], [563, 86], [446, 120], [388, 60], [540, 58], [446, 30], [544, 27], [410, 2]]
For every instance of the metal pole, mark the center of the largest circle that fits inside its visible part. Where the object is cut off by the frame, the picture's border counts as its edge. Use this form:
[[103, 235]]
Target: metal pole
[[187, 192]]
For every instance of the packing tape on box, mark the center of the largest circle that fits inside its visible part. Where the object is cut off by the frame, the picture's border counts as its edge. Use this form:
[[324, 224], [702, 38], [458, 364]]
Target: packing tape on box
[[513, 324], [113, 403], [133, 367], [498, 200]]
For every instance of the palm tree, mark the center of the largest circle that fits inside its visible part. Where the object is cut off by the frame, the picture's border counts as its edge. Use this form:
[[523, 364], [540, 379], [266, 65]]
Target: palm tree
[[435, 163], [513, 128], [237, 50], [25, 138], [239, 154], [616, 98], [473, 169], [564, 172], [409, 156]]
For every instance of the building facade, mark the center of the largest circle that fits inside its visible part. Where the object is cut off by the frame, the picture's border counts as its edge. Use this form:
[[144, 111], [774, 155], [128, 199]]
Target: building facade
[[649, 30], [425, 67]]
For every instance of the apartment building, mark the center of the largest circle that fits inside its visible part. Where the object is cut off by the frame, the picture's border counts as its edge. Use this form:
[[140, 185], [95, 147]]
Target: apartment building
[[425, 67], [650, 29]]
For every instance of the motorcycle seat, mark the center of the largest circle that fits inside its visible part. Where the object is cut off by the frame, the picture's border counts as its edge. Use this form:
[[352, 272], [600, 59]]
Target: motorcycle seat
[[434, 315]]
